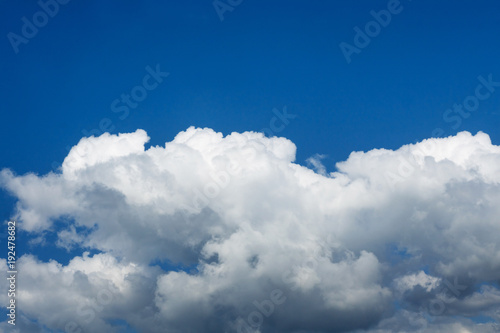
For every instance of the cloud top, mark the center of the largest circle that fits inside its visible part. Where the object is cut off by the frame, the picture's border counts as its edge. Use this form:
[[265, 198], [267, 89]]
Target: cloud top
[[258, 243]]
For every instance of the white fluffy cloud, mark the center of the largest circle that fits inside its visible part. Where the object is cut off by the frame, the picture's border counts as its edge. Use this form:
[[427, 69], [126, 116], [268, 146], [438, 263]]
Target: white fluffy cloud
[[277, 247], [421, 279]]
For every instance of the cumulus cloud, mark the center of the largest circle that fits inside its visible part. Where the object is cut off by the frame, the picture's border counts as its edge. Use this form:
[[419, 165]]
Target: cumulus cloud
[[421, 279], [275, 246], [85, 295]]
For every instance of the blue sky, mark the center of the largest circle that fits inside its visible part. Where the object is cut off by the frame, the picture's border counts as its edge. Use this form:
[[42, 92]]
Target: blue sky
[[230, 74]]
